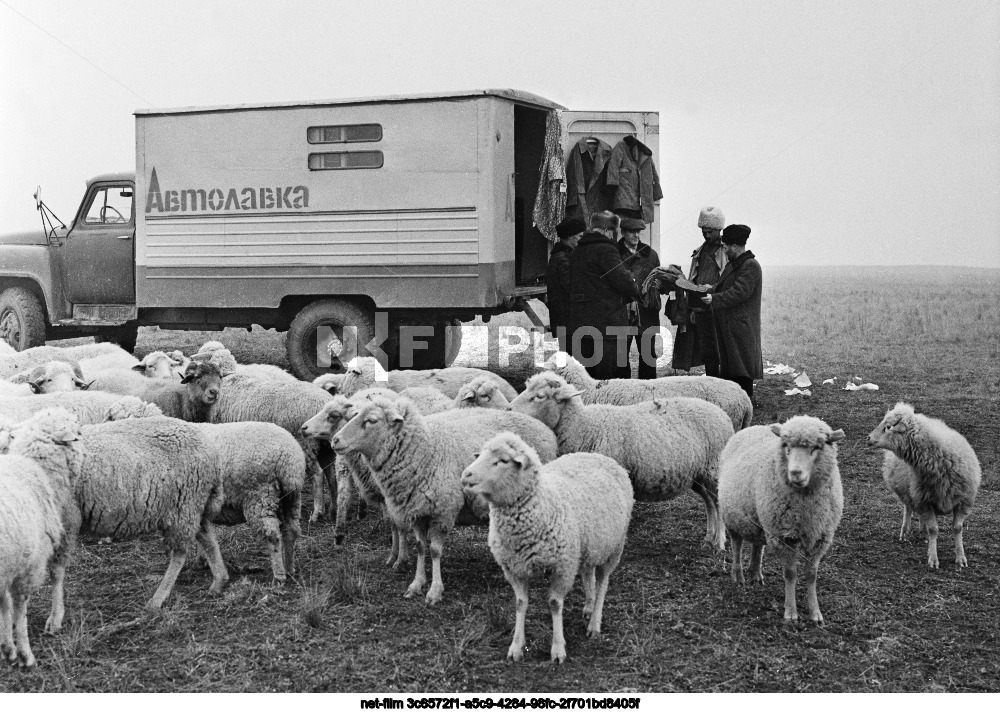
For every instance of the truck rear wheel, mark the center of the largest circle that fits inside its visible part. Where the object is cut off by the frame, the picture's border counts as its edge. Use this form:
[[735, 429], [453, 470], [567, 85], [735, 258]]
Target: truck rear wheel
[[22, 319], [319, 340], [442, 347], [125, 336]]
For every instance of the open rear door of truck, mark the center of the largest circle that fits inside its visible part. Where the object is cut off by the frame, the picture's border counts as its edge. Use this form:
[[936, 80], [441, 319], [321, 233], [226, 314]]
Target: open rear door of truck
[[612, 127]]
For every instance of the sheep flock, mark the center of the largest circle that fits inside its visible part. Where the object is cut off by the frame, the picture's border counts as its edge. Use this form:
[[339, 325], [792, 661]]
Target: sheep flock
[[94, 441]]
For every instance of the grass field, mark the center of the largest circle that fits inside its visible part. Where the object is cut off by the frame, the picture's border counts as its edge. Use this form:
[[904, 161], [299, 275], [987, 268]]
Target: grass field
[[673, 620]]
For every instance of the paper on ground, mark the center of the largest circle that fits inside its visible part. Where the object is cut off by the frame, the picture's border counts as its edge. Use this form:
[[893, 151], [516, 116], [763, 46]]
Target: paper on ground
[[851, 386], [802, 380], [792, 392]]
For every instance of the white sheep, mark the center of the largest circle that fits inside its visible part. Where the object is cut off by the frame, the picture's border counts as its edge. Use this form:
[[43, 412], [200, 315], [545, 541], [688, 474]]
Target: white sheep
[[94, 357], [428, 399], [418, 462], [89, 407], [932, 470], [217, 354], [481, 392], [555, 519], [286, 404], [14, 391], [6, 349], [329, 382], [56, 376], [160, 365], [727, 395], [667, 445], [780, 485], [364, 372], [33, 496], [141, 475], [263, 468]]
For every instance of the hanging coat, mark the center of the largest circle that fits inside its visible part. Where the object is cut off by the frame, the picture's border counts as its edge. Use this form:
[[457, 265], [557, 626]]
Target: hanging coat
[[550, 201], [632, 173], [736, 307], [586, 197]]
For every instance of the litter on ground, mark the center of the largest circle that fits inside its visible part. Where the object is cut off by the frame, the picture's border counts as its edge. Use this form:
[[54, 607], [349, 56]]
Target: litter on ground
[[792, 392], [851, 386], [802, 380], [777, 369], [829, 381]]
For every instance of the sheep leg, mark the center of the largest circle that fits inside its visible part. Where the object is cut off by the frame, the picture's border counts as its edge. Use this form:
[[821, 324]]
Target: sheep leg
[[420, 577], [19, 614], [736, 544], [589, 579], [7, 649], [206, 538], [787, 560], [289, 534], [757, 563], [958, 524], [558, 588], [319, 501], [437, 549], [603, 577], [58, 610], [394, 551], [809, 577], [929, 522], [715, 534], [345, 499], [520, 587], [177, 558], [904, 529]]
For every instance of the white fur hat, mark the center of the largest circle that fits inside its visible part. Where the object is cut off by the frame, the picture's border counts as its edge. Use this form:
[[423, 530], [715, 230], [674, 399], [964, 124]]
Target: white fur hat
[[711, 217]]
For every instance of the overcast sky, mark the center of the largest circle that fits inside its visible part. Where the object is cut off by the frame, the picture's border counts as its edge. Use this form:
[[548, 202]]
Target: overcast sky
[[841, 132]]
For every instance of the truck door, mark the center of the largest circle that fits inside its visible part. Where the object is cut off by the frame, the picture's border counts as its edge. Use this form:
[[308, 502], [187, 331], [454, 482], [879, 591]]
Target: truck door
[[612, 127], [99, 253]]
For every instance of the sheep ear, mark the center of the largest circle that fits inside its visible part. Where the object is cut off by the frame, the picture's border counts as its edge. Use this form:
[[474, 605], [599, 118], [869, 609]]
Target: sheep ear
[[83, 385], [835, 436], [140, 368], [35, 387], [568, 392], [468, 396], [187, 378], [521, 461], [776, 429], [330, 387]]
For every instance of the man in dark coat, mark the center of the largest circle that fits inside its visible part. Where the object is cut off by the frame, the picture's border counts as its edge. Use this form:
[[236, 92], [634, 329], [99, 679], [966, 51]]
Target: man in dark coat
[[640, 260], [735, 304], [557, 278], [694, 343], [600, 289]]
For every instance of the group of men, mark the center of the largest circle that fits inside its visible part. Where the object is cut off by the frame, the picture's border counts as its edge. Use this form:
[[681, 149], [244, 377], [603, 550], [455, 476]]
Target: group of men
[[605, 290]]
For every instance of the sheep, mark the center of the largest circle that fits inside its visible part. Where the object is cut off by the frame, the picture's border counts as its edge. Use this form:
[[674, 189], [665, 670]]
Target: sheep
[[96, 357], [194, 398], [329, 382], [286, 404], [353, 474], [6, 349], [780, 485], [13, 391], [666, 445], [160, 365], [140, 475], [362, 373], [566, 516], [55, 376], [262, 472], [216, 353], [417, 462], [727, 395], [90, 407], [932, 470], [481, 392], [33, 496]]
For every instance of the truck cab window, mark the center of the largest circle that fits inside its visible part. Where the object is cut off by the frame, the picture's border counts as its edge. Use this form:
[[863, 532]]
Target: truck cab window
[[110, 205]]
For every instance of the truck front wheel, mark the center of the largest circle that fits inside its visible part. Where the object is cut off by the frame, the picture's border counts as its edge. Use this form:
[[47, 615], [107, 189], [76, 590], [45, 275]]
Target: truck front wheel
[[327, 334], [22, 319]]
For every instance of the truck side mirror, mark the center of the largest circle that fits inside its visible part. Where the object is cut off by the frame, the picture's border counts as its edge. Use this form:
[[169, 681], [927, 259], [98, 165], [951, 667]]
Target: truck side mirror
[[38, 198]]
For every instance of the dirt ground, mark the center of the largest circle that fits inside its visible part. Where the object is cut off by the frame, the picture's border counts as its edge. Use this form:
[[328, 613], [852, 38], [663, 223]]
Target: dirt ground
[[673, 620]]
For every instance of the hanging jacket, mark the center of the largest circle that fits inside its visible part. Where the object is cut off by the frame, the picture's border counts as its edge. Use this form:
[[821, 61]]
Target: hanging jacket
[[632, 173], [550, 202], [585, 197]]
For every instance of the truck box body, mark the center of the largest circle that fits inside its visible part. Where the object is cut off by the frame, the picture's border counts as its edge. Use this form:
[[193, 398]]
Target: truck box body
[[241, 206]]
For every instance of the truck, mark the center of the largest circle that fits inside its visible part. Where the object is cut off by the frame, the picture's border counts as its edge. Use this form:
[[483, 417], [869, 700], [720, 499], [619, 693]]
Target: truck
[[355, 225]]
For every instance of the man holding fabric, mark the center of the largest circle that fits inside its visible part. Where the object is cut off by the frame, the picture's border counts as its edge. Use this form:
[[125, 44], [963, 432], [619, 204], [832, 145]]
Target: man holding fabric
[[641, 260]]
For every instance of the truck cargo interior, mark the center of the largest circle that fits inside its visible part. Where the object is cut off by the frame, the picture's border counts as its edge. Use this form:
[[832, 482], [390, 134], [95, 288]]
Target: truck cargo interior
[[530, 246]]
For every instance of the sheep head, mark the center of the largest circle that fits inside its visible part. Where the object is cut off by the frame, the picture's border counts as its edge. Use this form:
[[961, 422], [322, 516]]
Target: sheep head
[[329, 382], [569, 368], [545, 397], [373, 422], [897, 422], [483, 392], [204, 382], [503, 472], [330, 419], [158, 365], [50, 428], [803, 441], [56, 376]]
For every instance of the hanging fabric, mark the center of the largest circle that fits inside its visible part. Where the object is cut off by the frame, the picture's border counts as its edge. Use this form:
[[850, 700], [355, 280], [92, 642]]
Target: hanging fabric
[[550, 201]]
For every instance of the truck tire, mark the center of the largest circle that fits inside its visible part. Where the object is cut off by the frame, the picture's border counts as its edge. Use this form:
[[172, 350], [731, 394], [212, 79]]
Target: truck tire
[[315, 324], [453, 341], [443, 347], [22, 319]]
